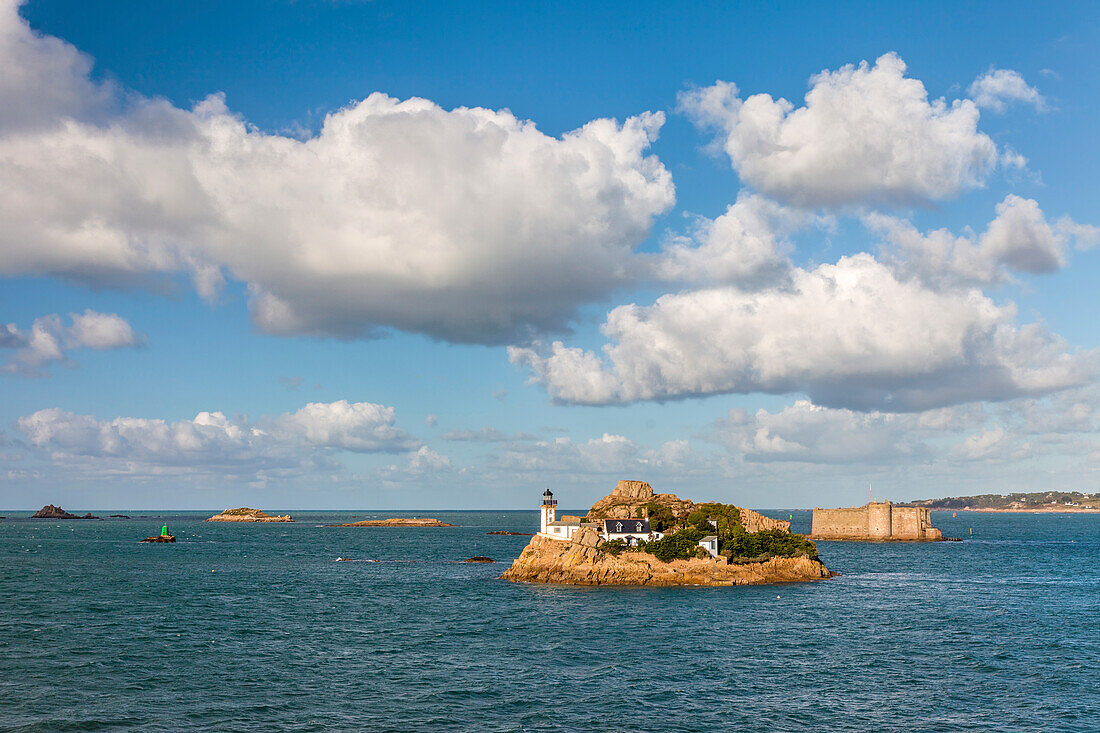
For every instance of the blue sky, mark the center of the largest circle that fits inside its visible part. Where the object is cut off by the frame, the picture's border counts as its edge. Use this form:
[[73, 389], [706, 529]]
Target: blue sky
[[421, 260]]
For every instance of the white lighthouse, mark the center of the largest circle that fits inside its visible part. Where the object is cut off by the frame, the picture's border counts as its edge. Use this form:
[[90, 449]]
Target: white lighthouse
[[548, 510]]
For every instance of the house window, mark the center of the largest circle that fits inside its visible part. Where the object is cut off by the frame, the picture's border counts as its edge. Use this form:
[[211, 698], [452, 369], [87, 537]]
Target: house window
[[618, 526]]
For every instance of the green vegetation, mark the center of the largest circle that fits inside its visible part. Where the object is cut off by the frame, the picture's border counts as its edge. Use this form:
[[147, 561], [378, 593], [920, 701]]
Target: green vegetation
[[744, 546], [735, 544], [676, 546], [725, 518], [613, 547], [661, 518], [682, 535]]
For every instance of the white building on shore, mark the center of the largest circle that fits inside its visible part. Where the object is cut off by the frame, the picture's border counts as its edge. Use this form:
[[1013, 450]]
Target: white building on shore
[[549, 526], [629, 531]]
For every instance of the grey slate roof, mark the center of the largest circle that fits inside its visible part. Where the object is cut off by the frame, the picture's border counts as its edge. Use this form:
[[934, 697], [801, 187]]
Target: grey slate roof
[[626, 526]]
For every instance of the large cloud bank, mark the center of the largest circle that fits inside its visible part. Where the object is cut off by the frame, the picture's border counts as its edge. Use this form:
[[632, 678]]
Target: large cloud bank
[[847, 335], [211, 441], [469, 225]]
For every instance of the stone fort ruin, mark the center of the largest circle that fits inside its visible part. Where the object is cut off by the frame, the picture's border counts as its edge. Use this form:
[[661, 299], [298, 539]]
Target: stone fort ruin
[[877, 520]]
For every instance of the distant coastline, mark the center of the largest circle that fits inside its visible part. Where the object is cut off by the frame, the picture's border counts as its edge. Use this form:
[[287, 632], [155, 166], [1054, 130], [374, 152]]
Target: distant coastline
[[1032, 510], [1044, 502]]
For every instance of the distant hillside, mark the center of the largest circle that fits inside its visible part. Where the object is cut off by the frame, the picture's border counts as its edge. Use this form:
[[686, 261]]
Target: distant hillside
[[1063, 501]]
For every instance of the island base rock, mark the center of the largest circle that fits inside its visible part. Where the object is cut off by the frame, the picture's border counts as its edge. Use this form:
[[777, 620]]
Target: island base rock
[[579, 562]]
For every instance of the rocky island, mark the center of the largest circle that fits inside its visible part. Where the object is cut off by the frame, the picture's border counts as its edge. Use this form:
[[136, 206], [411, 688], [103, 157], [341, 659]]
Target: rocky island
[[634, 536], [1037, 502], [245, 514], [55, 512], [395, 522]]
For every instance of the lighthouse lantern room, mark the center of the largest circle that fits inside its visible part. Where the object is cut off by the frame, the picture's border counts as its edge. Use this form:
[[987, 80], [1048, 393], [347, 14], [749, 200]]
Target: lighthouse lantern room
[[548, 510]]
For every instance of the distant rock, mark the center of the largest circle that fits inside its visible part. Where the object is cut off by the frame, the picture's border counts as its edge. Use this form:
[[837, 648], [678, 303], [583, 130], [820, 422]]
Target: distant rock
[[160, 538], [118, 516], [479, 558], [245, 514], [395, 522], [511, 534], [55, 512]]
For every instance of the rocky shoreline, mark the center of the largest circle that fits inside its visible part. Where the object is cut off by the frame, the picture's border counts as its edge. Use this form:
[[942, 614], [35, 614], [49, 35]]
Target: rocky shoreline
[[578, 562]]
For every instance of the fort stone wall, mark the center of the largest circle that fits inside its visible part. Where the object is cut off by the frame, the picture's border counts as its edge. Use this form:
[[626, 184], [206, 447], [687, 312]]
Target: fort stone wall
[[839, 523], [878, 520]]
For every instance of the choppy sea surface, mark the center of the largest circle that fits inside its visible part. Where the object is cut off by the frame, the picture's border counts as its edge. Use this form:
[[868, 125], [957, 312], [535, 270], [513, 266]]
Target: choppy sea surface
[[247, 627]]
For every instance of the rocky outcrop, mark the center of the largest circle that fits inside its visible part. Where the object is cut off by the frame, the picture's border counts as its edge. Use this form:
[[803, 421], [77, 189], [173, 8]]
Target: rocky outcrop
[[630, 497], [479, 558], [55, 512], [395, 522], [160, 538], [245, 514], [756, 522], [579, 562], [510, 534]]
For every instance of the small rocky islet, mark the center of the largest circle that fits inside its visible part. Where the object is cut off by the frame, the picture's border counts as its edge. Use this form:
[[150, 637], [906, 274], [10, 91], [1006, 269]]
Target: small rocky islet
[[395, 522], [588, 558], [55, 512], [247, 514]]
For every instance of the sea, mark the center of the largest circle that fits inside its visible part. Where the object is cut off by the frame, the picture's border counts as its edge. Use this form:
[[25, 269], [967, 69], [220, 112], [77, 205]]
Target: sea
[[257, 627]]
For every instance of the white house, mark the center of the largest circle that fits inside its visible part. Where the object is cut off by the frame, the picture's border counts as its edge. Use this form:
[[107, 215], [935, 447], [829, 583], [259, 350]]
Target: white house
[[710, 544], [549, 526], [629, 530]]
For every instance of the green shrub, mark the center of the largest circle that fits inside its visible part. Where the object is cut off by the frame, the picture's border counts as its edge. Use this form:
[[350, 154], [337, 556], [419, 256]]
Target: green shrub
[[743, 546], [660, 517], [676, 546], [726, 516], [612, 547]]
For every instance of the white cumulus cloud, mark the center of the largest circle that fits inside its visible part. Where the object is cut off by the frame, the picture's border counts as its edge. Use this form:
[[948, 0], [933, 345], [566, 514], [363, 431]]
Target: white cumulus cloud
[[866, 134], [847, 335], [997, 88], [211, 442], [807, 433], [49, 340], [468, 224], [607, 454], [1019, 238], [745, 246]]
